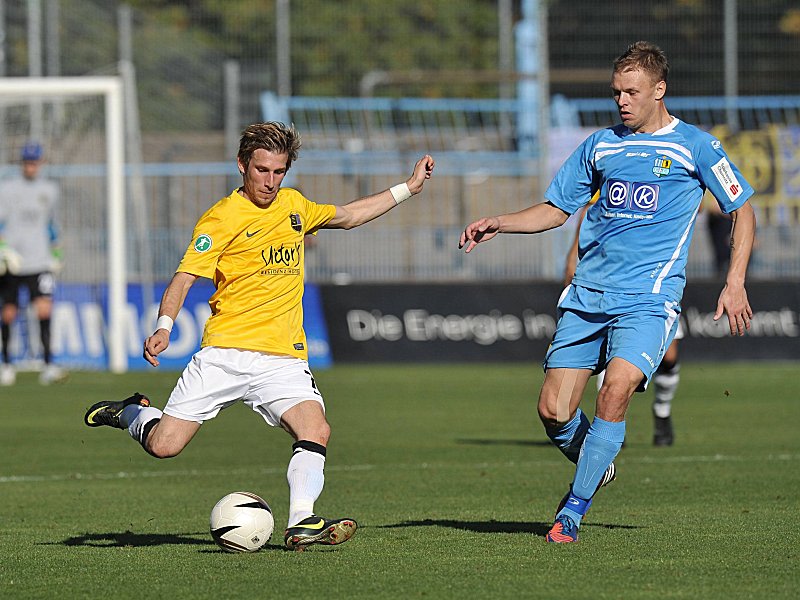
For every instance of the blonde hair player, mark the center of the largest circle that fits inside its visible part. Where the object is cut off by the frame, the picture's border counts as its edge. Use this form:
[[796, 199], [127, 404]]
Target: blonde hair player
[[250, 244], [620, 313]]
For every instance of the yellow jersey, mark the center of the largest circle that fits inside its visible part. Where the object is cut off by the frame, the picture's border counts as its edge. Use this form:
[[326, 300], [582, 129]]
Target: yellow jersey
[[255, 257]]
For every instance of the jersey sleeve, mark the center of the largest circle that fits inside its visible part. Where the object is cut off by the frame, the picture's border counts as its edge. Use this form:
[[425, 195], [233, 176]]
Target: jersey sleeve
[[52, 223], [720, 175], [317, 215], [210, 237], [573, 186], [3, 210]]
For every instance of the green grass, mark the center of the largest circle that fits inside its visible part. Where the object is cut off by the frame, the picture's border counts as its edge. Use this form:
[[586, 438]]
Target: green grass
[[449, 474]]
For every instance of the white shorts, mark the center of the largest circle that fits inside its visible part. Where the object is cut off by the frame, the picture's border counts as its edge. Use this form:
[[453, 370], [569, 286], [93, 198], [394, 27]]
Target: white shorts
[[217, 378]]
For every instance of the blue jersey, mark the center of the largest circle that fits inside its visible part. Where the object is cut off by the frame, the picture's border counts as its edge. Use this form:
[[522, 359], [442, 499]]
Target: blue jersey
[[635, 238]]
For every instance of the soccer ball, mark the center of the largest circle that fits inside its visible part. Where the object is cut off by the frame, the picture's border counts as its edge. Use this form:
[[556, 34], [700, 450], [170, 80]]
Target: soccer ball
[[241, 522]]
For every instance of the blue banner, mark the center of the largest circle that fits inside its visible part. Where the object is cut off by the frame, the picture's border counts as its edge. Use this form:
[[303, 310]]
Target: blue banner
[[79, 327]]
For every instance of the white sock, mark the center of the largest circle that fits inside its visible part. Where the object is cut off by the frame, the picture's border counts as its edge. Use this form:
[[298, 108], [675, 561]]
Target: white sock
[[134, 417], [666, 384], [306, 478]]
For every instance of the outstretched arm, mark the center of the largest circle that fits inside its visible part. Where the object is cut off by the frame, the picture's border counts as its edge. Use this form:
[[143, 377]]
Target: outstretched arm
[[366, 209], [733, 298], [171, 303], [534, 219]]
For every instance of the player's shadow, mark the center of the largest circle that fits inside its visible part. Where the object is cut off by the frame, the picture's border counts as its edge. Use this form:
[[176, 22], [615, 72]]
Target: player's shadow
[[490, 526], [128, 538], [214, 549], [498, 442], [533, 527]]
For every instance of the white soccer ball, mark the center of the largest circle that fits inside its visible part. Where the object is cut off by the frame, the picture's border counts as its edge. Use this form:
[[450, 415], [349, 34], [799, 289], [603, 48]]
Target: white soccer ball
[[241, 522]]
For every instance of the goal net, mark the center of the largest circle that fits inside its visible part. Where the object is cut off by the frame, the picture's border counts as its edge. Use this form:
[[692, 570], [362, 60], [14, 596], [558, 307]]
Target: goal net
[[79, 123]]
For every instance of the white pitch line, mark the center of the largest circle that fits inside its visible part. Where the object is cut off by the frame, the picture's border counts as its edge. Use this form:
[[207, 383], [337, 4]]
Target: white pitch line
[[157, 474], [10, 479]]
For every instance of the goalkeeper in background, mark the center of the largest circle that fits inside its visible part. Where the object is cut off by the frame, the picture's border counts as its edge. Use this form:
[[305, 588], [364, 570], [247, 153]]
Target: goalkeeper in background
[[28, 256]]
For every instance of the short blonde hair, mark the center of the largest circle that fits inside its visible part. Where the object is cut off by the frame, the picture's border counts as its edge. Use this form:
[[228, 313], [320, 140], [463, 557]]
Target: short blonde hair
[[646, 57], [272, 136]]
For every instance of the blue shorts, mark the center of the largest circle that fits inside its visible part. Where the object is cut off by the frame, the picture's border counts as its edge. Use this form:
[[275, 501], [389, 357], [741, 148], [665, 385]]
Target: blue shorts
[[594, 327]]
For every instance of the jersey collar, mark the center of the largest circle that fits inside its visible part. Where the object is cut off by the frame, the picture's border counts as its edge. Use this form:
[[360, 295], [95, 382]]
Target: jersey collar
[[668, 128]]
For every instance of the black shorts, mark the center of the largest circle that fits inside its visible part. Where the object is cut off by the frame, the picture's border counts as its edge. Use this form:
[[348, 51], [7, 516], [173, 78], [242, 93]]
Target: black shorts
[[38, 285]]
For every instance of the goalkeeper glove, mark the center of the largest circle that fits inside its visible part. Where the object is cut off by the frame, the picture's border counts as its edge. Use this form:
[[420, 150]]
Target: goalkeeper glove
[[10, 260], [56, 262]]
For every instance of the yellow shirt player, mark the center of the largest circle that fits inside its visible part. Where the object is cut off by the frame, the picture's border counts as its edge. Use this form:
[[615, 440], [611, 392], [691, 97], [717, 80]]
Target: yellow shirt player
[[255, 258], [250, 244]]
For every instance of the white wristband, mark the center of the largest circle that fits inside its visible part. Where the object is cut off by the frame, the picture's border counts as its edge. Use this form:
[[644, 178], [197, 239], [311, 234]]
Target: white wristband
[[400, 192], [164, 322]]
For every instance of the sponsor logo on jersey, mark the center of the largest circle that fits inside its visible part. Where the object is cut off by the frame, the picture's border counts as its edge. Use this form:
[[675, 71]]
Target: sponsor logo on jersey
[[203, 243], [617, 193], [251, 234], [633, 196], [642, 154], [716, 144], [644, 197], [294, 220], [727, 179], [283, 260], [661, 166]]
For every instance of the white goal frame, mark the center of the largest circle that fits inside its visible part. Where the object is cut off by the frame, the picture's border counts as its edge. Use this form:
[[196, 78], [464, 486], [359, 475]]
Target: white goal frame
[[111, 89]]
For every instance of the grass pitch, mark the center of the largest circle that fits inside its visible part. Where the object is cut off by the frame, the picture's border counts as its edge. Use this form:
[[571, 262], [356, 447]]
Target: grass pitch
[[447, 471]]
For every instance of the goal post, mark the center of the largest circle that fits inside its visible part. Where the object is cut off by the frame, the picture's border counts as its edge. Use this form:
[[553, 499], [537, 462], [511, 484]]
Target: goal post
[[52, 89]]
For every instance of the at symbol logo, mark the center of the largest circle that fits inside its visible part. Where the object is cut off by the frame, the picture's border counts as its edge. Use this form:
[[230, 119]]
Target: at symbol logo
[[645, 197], [617, 193]]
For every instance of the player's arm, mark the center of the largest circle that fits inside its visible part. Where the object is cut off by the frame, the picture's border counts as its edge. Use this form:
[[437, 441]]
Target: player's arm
[[56, 254], [10, 260], [733, 298], [534, 219], [171, 304], [366, 209]]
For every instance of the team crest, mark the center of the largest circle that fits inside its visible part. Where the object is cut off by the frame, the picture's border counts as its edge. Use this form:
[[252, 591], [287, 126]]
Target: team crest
[[661, 166], [294, 220]]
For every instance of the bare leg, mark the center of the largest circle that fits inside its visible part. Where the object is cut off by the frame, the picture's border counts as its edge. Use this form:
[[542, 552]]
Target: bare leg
[[169, 436]]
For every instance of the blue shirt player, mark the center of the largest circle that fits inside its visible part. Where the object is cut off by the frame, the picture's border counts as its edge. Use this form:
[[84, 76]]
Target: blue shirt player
[[621, 310]]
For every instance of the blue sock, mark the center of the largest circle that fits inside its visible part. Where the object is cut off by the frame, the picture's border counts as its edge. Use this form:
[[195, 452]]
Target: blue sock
[[602, 444], [569, 436], [575, 508]]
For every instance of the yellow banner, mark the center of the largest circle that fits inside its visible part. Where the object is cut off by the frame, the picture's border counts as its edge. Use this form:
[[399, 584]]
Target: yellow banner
[[769, 159]]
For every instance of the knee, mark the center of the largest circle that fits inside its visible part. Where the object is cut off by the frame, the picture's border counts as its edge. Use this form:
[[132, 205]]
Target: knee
[[318, 432], [306, 421], [9, 314], [547, 412], [321, 433], [612, 401], [161, 448]]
